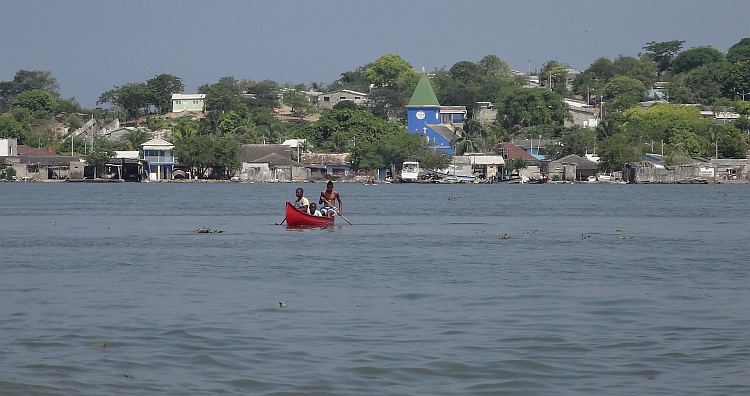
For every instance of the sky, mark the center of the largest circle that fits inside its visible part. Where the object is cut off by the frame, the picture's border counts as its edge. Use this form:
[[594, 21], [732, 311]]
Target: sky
[[90, 46]]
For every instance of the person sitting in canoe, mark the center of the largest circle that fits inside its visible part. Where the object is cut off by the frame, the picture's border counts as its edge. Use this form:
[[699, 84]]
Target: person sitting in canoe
[[314, 209], [328, 199], [302, 204]]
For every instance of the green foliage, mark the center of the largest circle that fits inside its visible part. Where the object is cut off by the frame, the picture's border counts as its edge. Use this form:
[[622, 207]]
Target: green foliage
[[24, 81], [731, 142], [656, 123], [133, 98], [695, 57], [73, 122], [709, 82], [389, 69], [41, 103], [68, 106], [555, 73], [622, 92], [10, 128], [222, 96], [99, 157], [207, 152], [467, 72], [162, 87], [345, 105], [574, 140], [516, 165], [663, 52], [739, 52], [355, 80], [493, 66], [687, 142], [136, 138], [9, 172], [614, 152], [266, 93], [301, 107], [519, 107]]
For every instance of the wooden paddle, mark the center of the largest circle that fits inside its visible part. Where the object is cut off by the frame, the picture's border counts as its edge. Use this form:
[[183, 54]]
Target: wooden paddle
[[336, 210]]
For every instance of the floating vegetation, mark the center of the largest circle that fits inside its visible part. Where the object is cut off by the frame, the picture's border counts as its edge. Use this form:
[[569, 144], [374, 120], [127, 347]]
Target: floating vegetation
[[206, 230], [453, 198], [98, 345]]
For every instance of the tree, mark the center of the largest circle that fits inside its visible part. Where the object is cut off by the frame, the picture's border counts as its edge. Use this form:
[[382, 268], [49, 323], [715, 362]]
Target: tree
[[162, 88], [346, 104], [614, 152], [222, 96], [556, 74], [695, 57], [621, 93], [133, 98], [41, 103], [493, 66], [519, 107], [687, 142], [643, 69], [470, 138], [388, 69], [355, 80], [663, 52], [98, 158], [136, 138], [574, 140], [266, 93], [516, 165], [301, 107], [10, 128], [710, 82], [467, 72], [656, 122], [27, 80], [739, 52]]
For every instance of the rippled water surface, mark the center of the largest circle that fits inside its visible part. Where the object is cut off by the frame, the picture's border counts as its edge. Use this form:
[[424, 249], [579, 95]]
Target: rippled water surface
[[107, 289]]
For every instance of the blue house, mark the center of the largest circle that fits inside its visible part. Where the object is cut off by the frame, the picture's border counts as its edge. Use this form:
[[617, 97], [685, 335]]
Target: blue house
[[160, 155], [437, 123]]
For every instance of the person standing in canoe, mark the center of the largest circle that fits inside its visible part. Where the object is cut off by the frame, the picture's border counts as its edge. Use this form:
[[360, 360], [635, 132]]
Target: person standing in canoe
[[302, 204], [328, 198]]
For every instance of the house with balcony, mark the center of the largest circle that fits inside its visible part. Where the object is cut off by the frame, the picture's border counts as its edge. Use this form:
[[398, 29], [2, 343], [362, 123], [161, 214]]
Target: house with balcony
[[160, 155]]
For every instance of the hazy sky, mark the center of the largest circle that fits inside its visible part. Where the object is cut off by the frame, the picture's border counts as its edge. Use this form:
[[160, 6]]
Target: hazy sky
[[92, 45]]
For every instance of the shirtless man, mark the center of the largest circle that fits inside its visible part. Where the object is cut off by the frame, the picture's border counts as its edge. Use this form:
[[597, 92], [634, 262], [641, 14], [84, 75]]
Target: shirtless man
[[328, 197], [302, 204]]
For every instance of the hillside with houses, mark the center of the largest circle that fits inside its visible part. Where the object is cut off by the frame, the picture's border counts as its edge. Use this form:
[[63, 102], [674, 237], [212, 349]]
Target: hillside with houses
[[669, 115]]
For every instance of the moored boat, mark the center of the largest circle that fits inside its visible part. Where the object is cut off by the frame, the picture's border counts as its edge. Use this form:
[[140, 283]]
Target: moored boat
[[295, 218]]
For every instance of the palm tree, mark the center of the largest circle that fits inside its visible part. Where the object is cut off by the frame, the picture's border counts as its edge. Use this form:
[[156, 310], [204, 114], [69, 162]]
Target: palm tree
[[470, 138], [137, 137]]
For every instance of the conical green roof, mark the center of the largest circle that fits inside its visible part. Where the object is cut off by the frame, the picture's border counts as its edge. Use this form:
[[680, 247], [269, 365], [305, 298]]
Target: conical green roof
[[424, 95]]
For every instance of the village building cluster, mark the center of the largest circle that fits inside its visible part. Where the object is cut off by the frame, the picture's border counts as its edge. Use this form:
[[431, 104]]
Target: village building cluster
[[156, 161]]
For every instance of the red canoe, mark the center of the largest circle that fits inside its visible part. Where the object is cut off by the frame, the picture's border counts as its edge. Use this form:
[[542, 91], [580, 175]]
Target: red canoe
[[295, 218]]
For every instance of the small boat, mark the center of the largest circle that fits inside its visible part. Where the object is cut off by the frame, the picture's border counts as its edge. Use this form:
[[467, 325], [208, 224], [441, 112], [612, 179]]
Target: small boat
[[295, 218]]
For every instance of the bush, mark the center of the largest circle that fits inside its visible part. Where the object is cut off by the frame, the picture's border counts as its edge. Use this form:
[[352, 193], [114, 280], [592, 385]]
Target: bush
[[10, 173]]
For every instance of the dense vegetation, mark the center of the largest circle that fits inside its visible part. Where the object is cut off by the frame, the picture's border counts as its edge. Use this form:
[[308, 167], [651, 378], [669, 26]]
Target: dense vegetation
[[243, 111]]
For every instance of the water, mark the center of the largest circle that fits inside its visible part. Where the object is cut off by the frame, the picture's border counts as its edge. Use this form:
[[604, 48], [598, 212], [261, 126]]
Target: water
[[419, 297]]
